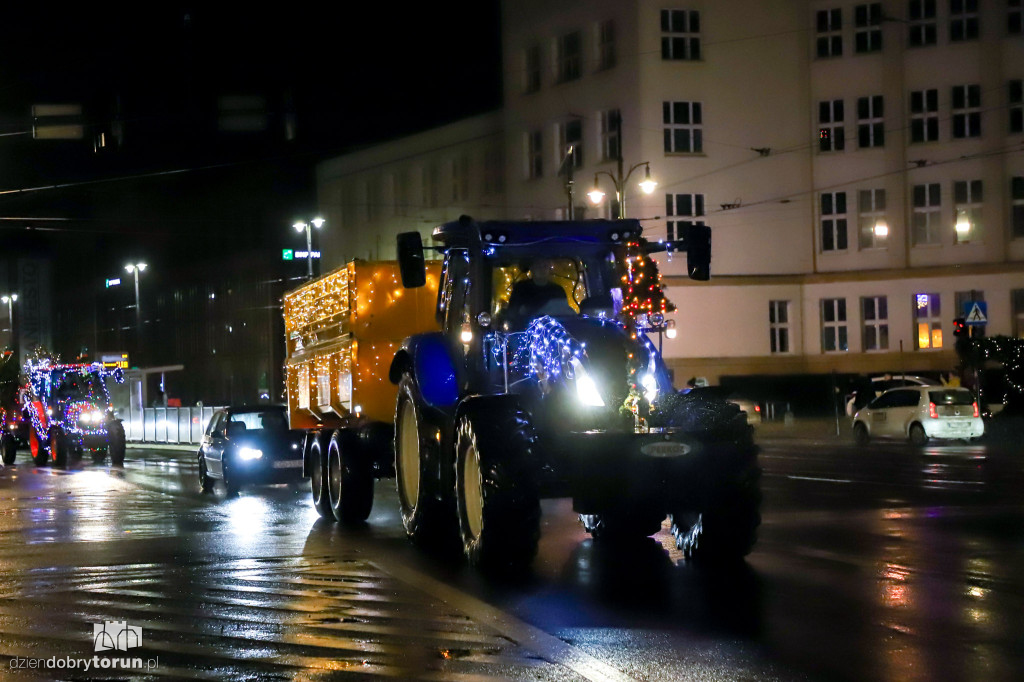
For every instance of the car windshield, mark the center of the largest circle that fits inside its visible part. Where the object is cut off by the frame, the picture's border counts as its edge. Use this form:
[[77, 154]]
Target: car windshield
[[260, 420], [960, 397]]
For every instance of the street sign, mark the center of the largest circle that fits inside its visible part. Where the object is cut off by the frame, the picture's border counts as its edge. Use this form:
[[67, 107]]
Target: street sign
[[975, 312], [113, 282], [307, 254], [287, 254]]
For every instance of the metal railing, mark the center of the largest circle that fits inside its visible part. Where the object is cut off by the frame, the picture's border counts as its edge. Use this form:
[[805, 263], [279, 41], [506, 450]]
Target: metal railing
[[179, 425]]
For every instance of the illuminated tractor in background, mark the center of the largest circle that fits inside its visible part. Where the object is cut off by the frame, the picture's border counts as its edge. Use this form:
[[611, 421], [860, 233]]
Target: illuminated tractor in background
[[69, 412], [13, 432]]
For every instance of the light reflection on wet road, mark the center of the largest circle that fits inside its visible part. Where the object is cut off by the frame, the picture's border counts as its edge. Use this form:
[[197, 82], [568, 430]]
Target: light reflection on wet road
[[888, 563]]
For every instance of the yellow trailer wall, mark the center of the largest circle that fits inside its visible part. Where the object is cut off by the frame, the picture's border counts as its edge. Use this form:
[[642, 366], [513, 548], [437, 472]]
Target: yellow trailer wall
[[342, 331]]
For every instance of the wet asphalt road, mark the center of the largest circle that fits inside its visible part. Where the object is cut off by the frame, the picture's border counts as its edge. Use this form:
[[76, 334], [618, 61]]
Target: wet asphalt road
[[889, 563]]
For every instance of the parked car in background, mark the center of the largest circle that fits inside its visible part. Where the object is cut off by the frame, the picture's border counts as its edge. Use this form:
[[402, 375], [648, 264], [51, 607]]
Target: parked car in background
[[920, 413], [249, 444], [871, 388]]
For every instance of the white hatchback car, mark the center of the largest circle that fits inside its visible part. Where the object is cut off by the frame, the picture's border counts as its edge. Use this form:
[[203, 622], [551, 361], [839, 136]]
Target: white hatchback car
[[920, 413]]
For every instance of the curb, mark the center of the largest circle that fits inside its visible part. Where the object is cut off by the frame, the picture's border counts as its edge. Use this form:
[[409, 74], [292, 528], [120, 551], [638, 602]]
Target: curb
[[163, 446]]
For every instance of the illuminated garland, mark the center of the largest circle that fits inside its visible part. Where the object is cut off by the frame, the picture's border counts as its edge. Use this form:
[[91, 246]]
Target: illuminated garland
[[642, 290], [41, 376]]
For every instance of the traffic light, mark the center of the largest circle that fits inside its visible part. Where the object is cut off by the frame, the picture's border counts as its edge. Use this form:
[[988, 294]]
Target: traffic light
[[959, 327]]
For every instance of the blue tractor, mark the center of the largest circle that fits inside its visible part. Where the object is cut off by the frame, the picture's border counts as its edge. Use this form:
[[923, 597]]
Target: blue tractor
[[537, 386]]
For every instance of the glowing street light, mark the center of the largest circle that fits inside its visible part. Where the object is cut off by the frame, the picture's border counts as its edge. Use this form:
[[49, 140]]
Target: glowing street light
[[299, 226], [620, 179], [9, 299], [135, 269]]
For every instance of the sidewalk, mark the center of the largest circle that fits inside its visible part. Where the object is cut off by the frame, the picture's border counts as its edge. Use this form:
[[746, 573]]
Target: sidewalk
[[177, 447], [804, 428]]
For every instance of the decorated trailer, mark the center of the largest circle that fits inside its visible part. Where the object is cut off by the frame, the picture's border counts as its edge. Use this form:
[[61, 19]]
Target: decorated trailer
[[342, 332]]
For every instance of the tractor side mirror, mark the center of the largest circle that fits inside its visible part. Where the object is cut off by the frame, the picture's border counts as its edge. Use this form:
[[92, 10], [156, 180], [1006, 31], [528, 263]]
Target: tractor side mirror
[[698, 252], [410, 260]]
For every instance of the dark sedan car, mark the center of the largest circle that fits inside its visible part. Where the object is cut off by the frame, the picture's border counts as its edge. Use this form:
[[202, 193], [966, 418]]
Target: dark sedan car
[[249, 444]]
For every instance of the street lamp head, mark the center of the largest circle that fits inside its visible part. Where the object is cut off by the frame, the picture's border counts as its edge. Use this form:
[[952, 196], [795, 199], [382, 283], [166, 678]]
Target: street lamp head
[[596, 195], [299, 226], [648, 184], [6, 299], [140, 266], [130, 268], [318, 222]]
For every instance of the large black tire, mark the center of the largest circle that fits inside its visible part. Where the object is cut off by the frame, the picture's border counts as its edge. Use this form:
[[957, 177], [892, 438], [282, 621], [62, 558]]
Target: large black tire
[[622, 525], [39, 447], [496, 489], [205, 482], [318, 480], [726, 528], [8, 449], [349, 478], [860, 434], [58, 447], [427, 514], [116, 445]]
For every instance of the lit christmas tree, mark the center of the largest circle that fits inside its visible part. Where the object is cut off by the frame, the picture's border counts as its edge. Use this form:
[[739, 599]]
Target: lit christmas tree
[[642, 290]]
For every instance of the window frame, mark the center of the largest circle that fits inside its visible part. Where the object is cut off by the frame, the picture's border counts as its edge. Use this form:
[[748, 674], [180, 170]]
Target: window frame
[[933, 319], [870, 122], [967, 116], [693, 127], [608, 133], [874, 322], [968, 196], [868, 214], [778, 327], [568, 57], [834, 222], [964, 22], [867, 23], [837, 327], [834, 111], [1017, 207], [606, 54], [829, 33], [926, 115], [930, 214], [687, 39], [1015, 104], [674, 208], [922, 23]]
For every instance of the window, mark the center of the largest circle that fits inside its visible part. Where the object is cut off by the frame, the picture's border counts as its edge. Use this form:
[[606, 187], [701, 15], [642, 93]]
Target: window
[[928, 321], [967, 200], [1017, 206], [570, 134], [926, 221], [1017, 301], [680, 34], [534, 154], [963, 298], [966, 111], [921, 23], [872, 225], [567, 57], [833, 221], [606, 44], [833, 325], [1015, 98], [924, 116], [831, 136], [683, 127], [870, 128], [460, 178], [494, 171], [609, 132], [963, 20], [830, 33], [532, 69], [682, 205], [1013, 17], [875, 314], [778, 326], [867, 21]]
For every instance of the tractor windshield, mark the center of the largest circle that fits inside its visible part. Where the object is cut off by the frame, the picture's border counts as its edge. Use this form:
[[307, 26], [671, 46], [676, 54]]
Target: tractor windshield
[[76, 386]]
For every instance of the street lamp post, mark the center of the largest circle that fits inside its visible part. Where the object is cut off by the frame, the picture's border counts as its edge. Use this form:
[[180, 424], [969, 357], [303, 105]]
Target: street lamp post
[[9, 299], [299, 227], [619, 180], [135, 269]]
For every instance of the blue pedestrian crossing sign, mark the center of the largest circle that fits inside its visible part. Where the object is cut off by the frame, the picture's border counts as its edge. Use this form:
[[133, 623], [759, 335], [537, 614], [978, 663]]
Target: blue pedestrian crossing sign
[[975, 312]]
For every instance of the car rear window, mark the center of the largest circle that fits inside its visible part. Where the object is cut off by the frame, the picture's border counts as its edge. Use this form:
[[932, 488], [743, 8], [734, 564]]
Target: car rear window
[[951, 397]]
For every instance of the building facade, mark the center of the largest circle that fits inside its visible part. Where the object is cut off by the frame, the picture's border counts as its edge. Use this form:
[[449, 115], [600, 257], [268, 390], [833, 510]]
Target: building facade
[[861, 165]]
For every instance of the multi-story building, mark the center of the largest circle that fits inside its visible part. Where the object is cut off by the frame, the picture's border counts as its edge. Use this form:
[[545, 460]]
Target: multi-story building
[[861, 165]]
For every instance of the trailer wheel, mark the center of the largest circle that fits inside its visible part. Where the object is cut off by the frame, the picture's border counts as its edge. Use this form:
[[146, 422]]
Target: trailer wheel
[[8, 448], [495, 486], [349, 478], [427, 515], [116, 443], [37, 446], [58, 447], [318, 481]]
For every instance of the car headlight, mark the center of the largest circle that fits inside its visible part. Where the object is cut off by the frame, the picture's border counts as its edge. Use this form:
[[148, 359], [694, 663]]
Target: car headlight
[[586, 389], [249, 453]]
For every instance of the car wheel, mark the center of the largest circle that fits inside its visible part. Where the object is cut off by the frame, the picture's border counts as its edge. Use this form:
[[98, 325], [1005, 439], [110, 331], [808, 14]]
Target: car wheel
[[349, 478], [496, 491], [205, 482], [917, 435], [8, 448], [860, 434], [318, 479]]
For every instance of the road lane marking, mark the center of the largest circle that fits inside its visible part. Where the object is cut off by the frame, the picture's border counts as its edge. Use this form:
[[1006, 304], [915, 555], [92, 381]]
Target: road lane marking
[[823, 480]]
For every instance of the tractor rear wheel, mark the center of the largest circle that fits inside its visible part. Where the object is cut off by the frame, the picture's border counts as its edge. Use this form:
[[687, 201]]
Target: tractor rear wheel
[[58, 447]]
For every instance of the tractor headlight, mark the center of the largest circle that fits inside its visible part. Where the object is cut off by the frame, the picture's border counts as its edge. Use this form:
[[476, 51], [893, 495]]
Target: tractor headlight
[[249, 453], [650, 385], [85, 417], [586, 389]]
